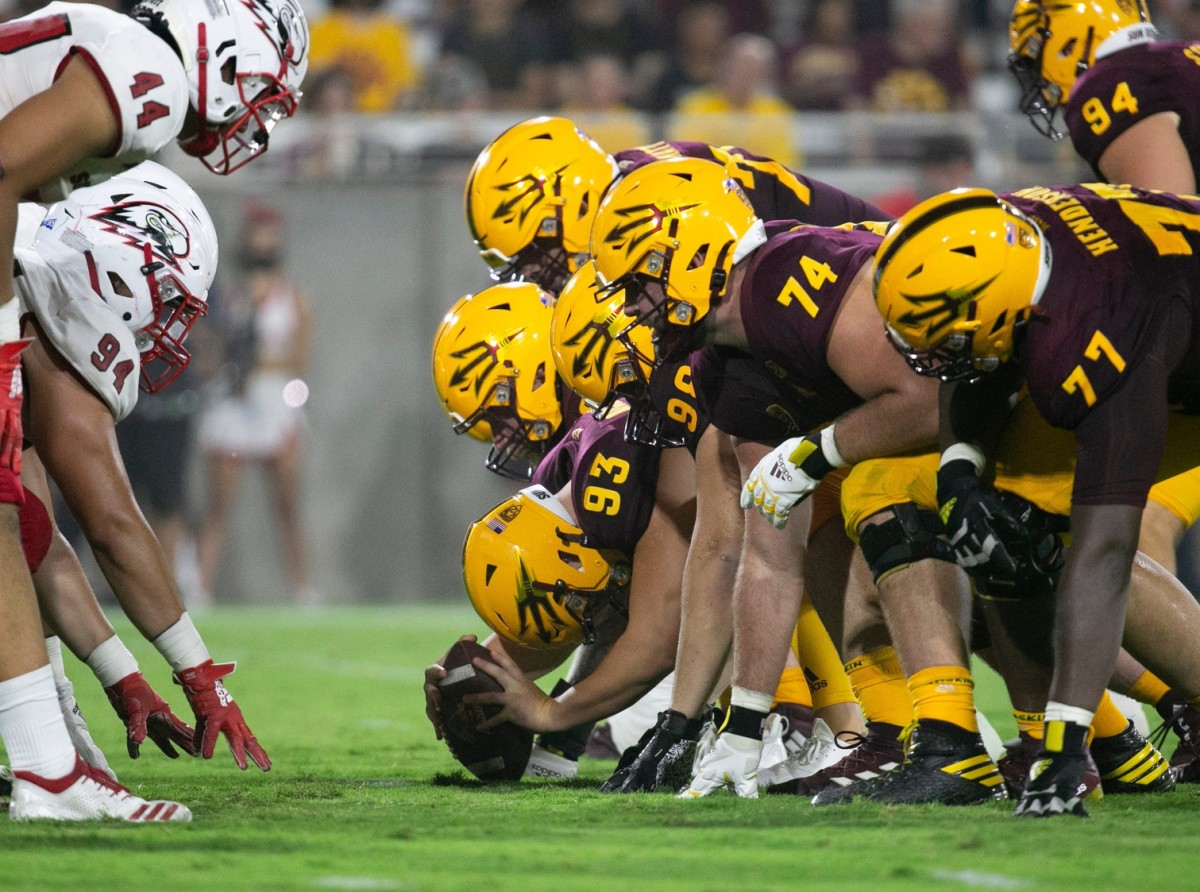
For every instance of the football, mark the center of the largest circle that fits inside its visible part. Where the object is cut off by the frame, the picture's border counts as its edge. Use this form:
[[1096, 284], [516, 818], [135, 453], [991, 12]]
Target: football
[[499, 754]]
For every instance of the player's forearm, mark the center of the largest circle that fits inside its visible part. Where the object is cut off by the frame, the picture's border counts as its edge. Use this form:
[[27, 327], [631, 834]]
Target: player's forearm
[[136, 568], [67, 602], [888, 424], [975, 413], [706, 623]]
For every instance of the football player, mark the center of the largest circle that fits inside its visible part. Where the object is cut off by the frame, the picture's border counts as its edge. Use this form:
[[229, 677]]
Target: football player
[[682, 240], [110, 282], [1128, 102], [89, 92], [1086, 294]]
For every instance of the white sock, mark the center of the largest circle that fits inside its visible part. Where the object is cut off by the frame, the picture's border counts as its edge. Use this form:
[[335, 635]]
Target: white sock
[[32, 726], [54, 650]]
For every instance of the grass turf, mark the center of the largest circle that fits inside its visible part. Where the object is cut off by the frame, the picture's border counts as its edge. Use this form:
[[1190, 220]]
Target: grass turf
[[352, 802]]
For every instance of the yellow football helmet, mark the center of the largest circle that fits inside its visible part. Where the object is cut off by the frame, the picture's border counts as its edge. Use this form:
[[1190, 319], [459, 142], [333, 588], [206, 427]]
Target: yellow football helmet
[[599, 352], [682, 222], [495, 376], [531, 197], [533, 578], [953, 279], [1055, 41]]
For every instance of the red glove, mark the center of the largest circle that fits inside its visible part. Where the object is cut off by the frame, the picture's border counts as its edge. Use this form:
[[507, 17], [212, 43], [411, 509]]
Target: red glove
[[11, 437], [217, 714], [146, 714]]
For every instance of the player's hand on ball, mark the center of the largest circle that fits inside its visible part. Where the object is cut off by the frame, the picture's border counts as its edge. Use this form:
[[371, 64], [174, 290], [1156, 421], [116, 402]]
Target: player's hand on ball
[[731, 765], [433, 694], [217, 714], [521, 702], [787, 475], [146, 714]]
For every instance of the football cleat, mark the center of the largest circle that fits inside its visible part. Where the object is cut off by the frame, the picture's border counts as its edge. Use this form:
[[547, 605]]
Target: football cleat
[[600, 744], [1014, 765], [1184, 720], [819, 751], [869, 757], [1058, 784], [547, 763], [1129, 763], [783, 736], [945, 764], [86, 794]]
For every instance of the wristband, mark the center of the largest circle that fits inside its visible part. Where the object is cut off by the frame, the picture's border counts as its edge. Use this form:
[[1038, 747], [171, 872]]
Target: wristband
[[111, 661], [181, 645], [967, 452], [817, 454]]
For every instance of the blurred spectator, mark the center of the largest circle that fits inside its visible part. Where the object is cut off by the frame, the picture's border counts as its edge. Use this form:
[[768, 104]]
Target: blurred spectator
[[821, 72], [1179, 19], [509, 46], [594, 95], [918, 66], [944, 162], [371, 47], [266, 329], [608, 28], [742, 107], [741, 16], [695, 55]]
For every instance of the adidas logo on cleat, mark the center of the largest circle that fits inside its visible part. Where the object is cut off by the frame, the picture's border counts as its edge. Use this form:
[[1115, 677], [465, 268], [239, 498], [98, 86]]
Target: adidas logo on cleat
[[1128, 763]]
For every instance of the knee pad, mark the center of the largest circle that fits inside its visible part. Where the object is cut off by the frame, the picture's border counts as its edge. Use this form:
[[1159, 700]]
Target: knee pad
[[913, 534]]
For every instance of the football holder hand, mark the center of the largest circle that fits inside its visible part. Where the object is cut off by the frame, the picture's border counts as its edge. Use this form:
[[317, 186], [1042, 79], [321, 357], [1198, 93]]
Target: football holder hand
[[217, 714], [731, 765], [979, 526], [146, 714], [789, 473], [673, 741]]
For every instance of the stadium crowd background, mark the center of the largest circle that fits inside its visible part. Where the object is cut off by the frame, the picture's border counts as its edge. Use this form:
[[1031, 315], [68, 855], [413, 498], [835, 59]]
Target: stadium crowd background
[[892, 100]]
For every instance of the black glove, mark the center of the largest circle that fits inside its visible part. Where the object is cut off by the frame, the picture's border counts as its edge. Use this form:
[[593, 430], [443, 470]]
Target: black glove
[[979, 526], [1039, 555], [673, 734]]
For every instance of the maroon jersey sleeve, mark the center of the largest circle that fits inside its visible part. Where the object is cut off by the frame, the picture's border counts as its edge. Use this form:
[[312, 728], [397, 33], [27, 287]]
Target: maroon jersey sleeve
[[790, 297], [745, 398], [1128, 86], [1116, 318], [613, 483], [776, 192]]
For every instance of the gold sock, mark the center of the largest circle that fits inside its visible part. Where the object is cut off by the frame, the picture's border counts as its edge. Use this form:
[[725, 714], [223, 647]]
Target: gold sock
[[1108, 720], [1032, 724], [880, 687], [814, 649], [793, 687], [1148, 689], [945, 693]]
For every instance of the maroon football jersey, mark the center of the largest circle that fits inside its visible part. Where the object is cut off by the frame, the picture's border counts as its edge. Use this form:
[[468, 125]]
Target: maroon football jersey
[[775, 192], [1118, 315], [1131, 85], [789, 299], [613, 483], [674, 395]]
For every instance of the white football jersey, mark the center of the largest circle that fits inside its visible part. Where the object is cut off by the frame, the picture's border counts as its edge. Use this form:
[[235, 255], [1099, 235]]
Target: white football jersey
[[78, 323], [144, 79]]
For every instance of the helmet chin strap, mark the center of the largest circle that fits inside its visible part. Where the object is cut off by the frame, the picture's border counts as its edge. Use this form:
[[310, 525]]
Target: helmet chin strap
[[206, 140]]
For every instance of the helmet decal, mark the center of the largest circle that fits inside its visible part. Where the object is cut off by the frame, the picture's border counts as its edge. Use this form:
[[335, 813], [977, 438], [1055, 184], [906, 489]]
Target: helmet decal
[[601, 334], [140, 221], [636, 224], [478, 354], [941, 308], [524, 194]]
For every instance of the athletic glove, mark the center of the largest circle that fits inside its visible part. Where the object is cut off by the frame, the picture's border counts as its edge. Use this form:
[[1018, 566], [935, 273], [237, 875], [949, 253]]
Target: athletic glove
[[217, 714], [146, 714], [674, 734], [979, 526], [732, 764], [788, 474]]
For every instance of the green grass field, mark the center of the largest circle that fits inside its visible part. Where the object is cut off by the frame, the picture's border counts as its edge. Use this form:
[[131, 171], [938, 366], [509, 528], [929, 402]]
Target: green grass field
[[351, 803]]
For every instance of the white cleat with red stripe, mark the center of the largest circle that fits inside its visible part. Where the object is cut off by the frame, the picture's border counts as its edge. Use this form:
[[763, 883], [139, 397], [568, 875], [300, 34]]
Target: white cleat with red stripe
[[86, 794]]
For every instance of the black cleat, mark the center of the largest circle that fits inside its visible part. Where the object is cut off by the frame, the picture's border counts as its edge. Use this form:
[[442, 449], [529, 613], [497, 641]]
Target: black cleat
[[1058, 784], [1129, 763], [945, 764], [1183, 719], [867, 757]]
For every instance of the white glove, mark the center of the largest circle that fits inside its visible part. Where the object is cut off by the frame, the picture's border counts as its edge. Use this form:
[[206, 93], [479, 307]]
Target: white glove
[[789, 473], [732, 764]]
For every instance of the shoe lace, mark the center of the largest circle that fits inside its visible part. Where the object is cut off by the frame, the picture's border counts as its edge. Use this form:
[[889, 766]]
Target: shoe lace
[[103, 779], [849, 740]]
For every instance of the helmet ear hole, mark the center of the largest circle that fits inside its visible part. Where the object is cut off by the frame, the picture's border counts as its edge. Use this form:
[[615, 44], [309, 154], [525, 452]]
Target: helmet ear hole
[[539, 377], [584, 204], [699, 257], [229, 70], [118, 285], [488, 572], [570, 560]]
